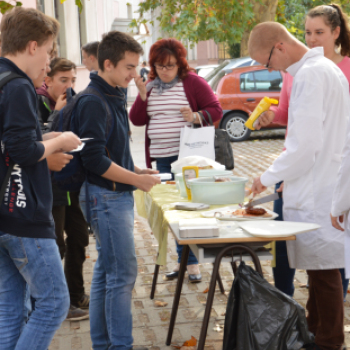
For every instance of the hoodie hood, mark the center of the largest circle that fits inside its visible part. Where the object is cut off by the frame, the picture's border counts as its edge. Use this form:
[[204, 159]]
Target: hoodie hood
[[43, 91]]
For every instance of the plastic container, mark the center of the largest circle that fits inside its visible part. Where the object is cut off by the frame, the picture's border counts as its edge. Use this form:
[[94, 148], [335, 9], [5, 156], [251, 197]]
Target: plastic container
[[263, 106], [202, 173], [206, 190]]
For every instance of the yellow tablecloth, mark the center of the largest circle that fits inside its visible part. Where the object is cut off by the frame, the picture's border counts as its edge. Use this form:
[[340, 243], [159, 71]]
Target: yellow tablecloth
[[157, 207]]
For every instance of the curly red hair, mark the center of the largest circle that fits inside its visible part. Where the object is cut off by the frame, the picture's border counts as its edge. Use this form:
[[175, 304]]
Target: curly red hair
[[162, 50]]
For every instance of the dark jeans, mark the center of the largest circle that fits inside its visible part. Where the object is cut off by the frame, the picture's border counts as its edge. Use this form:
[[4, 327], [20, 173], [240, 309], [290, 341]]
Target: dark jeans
[[164, 166], [326, 308], [282, 273], [70, 219]]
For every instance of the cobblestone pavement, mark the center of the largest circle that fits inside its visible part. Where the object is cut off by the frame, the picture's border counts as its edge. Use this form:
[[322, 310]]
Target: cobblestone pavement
[[151, 322]]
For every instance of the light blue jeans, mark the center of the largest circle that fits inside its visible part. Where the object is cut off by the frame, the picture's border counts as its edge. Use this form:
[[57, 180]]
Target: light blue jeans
[[33, 263], [115, 271]]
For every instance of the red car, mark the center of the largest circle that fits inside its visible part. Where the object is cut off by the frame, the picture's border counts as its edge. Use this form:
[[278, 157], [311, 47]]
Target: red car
[[239, 92]]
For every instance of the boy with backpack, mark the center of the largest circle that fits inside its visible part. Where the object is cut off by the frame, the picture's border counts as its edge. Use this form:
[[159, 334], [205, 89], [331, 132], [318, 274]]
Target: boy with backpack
[[66, 210], [28, 250], [111, 180]]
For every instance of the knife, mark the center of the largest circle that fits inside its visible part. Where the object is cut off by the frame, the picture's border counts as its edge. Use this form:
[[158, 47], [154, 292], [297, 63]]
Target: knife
[[266, 199]]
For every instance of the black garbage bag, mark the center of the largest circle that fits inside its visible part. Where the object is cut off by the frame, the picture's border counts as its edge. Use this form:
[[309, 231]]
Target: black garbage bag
[[260, 317]]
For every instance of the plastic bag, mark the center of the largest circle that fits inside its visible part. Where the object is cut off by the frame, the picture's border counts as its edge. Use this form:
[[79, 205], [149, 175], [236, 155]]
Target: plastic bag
[[260, 317]]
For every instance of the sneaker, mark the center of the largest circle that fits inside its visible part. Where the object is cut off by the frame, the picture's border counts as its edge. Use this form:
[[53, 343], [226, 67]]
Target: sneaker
[[194, 275], [83, 303], [76, 314]]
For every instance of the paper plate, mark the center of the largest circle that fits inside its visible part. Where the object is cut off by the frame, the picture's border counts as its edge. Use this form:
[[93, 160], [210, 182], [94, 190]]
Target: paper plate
[[270, 229], [227, 215]]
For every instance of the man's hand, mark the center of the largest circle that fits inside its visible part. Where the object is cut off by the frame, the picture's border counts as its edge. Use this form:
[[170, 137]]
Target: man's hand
[[265, 119], [141, 85], [257, 186], [51, 135], [61, 102], [335, 222], [146, 182], [57, 161], [280, 189], [148, 172], [69, 140]]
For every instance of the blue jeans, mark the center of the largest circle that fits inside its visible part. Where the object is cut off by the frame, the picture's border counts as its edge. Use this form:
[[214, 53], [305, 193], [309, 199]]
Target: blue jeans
[[282, 273], [164, 166], [115, 271], [34, 262]]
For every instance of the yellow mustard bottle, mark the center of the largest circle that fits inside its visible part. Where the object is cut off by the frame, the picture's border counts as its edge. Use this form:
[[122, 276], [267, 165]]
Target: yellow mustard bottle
[[188, 173], [262, 107]]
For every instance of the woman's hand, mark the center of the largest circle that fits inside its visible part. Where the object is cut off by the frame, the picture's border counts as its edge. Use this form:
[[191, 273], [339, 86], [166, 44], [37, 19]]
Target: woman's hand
[[189, 116], [265, 119], [141, 86]]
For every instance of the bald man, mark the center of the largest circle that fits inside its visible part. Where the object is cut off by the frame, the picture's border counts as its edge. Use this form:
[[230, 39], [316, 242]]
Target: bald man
[[318, 111]]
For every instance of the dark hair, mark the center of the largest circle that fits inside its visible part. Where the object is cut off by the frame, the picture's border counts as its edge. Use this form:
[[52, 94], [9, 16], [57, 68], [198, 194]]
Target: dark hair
[[144, 63], [162, 50], [60, 64], [91, 48], [113, 47], [22, 25], [334, 17]]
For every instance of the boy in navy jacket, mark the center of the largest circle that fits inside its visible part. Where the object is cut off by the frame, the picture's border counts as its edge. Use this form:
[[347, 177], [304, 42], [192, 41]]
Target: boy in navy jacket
[[28, 251], [111, 180]]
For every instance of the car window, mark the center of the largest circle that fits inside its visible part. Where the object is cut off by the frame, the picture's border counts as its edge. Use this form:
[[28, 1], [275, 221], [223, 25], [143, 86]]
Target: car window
[[261, 80], [215, 82], [247, 82], [212, 74]]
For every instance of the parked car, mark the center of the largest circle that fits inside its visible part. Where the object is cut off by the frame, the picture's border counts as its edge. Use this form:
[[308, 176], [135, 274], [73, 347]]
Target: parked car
[[226, 67], [204, 70], [239, 92]]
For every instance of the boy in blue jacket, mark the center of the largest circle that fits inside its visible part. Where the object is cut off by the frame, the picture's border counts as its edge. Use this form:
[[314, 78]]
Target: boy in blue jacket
[[111, 180], [28, 250]]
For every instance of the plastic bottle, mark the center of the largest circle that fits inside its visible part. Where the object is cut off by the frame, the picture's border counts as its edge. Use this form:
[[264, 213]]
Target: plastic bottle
[[263, 106], [189, 172]]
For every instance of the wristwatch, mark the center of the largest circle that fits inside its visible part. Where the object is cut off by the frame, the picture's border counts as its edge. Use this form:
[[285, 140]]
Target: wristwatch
[[194, 117]]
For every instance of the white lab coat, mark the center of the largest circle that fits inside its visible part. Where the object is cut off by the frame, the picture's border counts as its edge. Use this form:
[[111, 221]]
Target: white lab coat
[[317, 119], [341, 198]]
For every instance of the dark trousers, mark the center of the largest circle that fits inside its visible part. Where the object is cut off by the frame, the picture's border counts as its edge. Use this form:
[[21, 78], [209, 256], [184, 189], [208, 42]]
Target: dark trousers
[[164, 166], [326, 308], [70, 219]]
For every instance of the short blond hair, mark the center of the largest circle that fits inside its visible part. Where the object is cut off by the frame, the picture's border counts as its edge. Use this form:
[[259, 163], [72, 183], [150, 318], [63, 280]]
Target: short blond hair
[[265, 35], [22, 25]]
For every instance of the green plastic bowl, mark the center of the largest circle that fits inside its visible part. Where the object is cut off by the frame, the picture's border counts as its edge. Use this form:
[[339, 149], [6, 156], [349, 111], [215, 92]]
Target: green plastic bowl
[[206, 190]]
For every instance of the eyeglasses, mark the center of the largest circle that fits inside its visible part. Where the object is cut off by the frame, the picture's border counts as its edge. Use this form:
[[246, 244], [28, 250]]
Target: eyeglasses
[[268, 61], [167, 67]]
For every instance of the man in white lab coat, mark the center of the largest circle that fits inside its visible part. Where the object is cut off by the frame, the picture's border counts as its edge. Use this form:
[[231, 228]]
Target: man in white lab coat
[[318, 113]]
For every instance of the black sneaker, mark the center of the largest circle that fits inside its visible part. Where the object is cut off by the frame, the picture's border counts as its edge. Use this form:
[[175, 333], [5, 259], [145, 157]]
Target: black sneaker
[[83, 303], [76, 314]]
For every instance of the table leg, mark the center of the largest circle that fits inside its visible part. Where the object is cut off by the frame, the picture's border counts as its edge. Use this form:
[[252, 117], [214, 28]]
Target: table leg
[[180, 279], [210, 298], [154, 282]]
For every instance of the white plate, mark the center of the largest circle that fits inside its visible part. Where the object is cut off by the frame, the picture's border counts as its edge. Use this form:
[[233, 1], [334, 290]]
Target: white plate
[[164, 176], [277, 228], [78, 149], [227, 214]]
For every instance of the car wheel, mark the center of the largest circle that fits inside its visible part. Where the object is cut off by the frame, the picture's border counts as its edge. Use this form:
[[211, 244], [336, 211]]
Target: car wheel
[[234, 125]]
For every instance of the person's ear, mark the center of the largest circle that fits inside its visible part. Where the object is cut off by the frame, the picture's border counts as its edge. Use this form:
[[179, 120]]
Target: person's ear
[[32, 47], [336, 33], [280, 47], [48, 81], [108, 65]]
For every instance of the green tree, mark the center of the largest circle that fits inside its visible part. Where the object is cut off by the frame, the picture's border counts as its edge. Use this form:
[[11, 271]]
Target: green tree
[[227, 21], [8, 5], [291, 13]]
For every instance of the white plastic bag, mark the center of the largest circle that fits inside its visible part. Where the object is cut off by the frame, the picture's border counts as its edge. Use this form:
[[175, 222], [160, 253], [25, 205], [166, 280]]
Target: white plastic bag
[[197, 142]]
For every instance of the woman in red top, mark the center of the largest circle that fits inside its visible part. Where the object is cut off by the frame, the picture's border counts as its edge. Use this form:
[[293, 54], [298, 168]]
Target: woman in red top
[[170, 100]]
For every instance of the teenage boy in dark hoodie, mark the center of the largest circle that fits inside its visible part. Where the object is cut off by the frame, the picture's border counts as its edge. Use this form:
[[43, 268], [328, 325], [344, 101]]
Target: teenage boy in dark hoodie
[[28, 250], [66, 209], [111, 180]]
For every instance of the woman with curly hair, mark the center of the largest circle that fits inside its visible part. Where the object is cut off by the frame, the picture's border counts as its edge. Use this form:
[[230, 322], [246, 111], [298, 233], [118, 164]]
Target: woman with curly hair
[[170, 100]]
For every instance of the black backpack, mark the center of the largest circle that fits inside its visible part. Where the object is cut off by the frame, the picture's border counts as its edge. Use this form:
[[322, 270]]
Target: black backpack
[[6, 77], [73, 175]]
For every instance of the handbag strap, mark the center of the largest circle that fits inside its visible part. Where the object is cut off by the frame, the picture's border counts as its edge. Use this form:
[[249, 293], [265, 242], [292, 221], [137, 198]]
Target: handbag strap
[[205, 121], [6, 180]]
